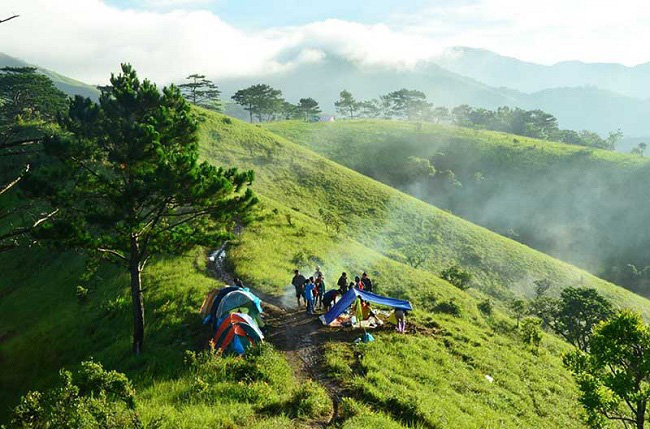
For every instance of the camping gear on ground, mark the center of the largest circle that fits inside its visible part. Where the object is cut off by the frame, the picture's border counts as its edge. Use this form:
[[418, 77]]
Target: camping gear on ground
[[236, 333], [237, 300], [349, 297]]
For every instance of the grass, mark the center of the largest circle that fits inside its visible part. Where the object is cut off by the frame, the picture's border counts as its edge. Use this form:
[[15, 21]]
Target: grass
[[431, 379], [585, 206]]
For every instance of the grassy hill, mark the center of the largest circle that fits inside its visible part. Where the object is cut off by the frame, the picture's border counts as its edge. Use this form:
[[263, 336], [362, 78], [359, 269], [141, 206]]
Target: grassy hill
[[588, 207], [67, 85], [432, 378]]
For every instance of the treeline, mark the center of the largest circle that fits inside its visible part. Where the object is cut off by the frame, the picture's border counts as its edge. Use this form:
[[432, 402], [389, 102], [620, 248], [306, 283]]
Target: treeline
[[265, 103]]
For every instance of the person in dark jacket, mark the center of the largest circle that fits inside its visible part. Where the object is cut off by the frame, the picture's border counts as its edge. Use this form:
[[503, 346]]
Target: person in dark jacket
[[298, 282], [357, 283], [367, 283], [343, 283], [330, 298]]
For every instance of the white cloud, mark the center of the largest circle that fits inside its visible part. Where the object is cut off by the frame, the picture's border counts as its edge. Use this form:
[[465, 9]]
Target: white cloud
[[87, 39]]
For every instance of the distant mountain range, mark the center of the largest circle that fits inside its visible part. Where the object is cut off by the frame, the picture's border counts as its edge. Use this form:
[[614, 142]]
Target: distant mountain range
[[596, 97], [501, 71]]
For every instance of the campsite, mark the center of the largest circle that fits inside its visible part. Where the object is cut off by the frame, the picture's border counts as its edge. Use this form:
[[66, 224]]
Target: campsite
[[253, 214]]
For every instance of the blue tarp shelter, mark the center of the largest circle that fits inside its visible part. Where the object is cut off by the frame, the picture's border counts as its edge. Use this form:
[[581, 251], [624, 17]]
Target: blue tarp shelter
[[346, 301]]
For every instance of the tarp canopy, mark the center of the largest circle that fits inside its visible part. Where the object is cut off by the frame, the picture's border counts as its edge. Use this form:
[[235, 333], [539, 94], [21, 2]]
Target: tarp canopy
[[239, 299], [346, 301], [236, 333]]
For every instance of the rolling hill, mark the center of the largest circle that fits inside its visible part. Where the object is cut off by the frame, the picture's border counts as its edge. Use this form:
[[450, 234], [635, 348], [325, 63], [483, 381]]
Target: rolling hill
[[69, 86], [432, 378], [585, 206]]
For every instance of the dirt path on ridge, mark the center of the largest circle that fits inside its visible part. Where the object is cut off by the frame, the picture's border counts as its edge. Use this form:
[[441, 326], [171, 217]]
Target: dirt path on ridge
[[299, 335]]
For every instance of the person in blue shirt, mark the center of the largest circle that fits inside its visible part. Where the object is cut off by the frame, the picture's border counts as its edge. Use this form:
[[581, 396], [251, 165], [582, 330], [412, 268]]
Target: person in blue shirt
[[309, 295]]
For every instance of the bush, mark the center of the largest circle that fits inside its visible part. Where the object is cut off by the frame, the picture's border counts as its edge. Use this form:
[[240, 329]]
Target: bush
[[81, 293], [457, 277], [449, 307], [91, 398], [531, 331], [486, 307]]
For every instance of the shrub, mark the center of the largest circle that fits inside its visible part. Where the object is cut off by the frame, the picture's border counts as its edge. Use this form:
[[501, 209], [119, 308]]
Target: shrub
[[457, 277], [81, 293], [93, 397], [449, 307], [531, 331], [486, 307]]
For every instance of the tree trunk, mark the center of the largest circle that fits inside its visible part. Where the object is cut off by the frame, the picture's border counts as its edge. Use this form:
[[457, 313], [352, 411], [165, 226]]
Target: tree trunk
[[250, 112], [640, 414], [136, 296]]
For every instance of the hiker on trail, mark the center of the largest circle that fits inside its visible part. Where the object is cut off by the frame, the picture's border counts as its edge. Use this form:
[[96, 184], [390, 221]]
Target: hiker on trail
[[320, 288], [400, 316], [298, 282], [309, 295], [239, 284], [357, 283], [343, 283], [367, 283], [329, 298]]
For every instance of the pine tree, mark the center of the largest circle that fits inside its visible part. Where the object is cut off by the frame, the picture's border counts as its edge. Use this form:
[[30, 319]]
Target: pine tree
[[127, 182], [202, 92]]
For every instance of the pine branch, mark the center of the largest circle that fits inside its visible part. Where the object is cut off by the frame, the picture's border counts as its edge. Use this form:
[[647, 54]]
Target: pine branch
[[113, 252], [8, 19]]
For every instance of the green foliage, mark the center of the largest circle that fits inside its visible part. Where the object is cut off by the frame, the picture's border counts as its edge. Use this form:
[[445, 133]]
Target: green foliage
[[457, 277], [260, 100], [331, 221], [613, 376], [30, 95], [346, 104], [125, 181], [82, 293], [541, 287], [308, 108], [486, 307], [580, 310], [92, 397], [449, 307], [201, 92], [518, 308], [409, 104], [531, 332]]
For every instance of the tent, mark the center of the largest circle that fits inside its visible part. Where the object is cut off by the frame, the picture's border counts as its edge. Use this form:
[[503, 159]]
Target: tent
[[207, 303], [240, 300], [346, 301], [217, 300], [236, 333]]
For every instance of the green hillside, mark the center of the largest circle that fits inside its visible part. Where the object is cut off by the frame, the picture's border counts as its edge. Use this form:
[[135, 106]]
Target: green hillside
[[588, 207], [67, 85], [432, 378]]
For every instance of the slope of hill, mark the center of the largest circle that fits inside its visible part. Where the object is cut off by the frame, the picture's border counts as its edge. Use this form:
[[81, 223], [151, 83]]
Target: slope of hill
[[585, 206], [69, 86], [498, 70], [443, 384]]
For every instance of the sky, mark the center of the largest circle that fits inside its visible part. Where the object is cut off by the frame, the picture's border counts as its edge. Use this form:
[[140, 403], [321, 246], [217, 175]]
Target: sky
[[169, 39]]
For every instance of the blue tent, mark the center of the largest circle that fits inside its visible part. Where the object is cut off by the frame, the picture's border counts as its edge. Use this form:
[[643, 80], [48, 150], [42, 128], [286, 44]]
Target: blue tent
[[349, 297]]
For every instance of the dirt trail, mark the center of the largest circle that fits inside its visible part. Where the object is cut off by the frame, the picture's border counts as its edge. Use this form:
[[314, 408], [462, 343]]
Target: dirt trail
[[299, 335]]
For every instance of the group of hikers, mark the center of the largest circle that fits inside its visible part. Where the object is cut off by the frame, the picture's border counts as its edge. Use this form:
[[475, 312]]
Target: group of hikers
[[314, 291]]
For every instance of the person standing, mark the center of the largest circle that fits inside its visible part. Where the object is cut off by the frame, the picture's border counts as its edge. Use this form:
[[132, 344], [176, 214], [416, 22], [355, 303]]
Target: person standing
[[343, 283], [309, 295], [357, 283], [400, 316], [298, 283], [318, 273], [320, 288], [367, 283]]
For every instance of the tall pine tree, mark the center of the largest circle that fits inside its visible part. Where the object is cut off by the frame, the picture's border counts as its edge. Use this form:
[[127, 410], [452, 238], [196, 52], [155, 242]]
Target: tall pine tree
[[127, 182]]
